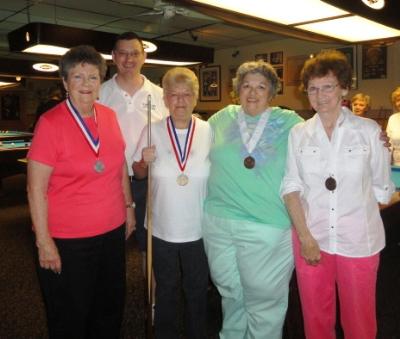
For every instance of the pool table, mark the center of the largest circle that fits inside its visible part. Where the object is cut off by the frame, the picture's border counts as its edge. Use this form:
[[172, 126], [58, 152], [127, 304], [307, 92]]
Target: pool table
[[15, 135], [10, 152], [396, 176]]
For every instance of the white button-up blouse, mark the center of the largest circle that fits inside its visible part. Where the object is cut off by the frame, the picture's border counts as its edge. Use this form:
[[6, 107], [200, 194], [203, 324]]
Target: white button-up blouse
[[345, 221]]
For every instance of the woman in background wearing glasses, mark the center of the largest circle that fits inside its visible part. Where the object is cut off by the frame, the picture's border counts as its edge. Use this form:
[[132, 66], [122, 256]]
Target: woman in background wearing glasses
[[337, 171]]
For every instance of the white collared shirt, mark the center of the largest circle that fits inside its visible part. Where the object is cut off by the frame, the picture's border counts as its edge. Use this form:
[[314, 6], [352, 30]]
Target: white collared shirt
[[345, 221], [393, 131], [132, 111]]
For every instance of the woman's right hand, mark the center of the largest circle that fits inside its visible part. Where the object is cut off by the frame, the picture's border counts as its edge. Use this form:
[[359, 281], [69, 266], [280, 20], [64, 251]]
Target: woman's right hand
[[149, 154], [310, 251], [49, 257]]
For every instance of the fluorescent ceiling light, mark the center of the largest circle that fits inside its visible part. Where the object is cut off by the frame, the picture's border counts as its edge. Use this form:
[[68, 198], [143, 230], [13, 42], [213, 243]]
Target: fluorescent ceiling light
[[42, 38], [45, 67], [353, 29], [286, 12], [55, 50], [7, 84]]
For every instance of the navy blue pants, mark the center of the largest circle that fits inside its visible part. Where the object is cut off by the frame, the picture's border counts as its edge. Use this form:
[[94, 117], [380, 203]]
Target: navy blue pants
[[170, 262], [87, 299], [139, 191]]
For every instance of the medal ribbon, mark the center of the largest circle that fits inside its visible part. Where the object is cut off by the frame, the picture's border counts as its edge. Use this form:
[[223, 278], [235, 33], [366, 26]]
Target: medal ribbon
[[182, 157], [250, 142], [93, 142]]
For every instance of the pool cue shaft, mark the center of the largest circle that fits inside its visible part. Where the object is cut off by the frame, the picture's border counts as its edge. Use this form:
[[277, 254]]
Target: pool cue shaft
[[149, 215]]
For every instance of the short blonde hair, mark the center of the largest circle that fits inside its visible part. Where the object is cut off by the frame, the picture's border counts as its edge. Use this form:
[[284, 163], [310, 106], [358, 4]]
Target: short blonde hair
[[181, 75], [363, 97], [395, 94]]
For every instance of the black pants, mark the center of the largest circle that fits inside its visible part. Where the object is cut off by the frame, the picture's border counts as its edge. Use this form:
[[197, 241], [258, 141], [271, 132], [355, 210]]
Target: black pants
[[139, 191], [87, 299], [169, 259]]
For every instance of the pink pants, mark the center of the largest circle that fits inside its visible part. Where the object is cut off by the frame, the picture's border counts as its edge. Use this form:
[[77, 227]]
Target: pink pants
[[356, 283]]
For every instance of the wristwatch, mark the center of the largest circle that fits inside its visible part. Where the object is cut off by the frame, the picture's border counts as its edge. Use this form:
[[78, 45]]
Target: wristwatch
[[130, 205]]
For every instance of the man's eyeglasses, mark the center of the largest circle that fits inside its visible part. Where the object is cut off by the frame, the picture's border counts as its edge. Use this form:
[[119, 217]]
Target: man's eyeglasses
[[126, 54], [325, 89]]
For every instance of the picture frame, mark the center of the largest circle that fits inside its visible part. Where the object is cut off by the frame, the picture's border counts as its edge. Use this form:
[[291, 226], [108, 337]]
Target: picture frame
[[374, 62], [294, 65], [351, 54], [210, 83], [261, 56], [276, 58], [279, 72], [10, 107]]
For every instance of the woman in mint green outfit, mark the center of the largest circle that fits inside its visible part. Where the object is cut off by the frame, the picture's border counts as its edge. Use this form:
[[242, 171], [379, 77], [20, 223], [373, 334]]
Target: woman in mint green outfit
[[246, 227]]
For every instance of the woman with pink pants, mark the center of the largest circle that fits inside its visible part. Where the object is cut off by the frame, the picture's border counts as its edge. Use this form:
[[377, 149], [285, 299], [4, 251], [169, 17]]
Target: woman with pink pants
[[337, 171]]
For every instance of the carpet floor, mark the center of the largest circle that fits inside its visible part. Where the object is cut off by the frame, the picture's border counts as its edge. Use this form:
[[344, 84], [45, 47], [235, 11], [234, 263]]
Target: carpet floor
[[22, 313]]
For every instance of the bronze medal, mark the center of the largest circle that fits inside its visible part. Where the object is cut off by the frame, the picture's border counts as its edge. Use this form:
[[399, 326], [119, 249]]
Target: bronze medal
[[330, 184], [182, 179], [249, 162]]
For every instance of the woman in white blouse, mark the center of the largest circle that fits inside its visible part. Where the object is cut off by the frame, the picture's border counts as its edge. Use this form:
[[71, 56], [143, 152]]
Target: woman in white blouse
[[337, 171], [393, 127]]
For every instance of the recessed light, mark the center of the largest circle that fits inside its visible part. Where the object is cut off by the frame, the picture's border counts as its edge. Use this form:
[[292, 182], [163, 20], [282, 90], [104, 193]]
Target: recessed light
[[45, 67]]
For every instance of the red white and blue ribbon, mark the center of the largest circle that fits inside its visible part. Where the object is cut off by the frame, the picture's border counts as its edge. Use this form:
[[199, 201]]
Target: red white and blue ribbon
[[93, 142], [182, 156]]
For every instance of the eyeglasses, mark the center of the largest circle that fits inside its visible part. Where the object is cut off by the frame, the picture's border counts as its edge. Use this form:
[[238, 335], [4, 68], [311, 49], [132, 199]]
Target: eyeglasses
[[325, 89], [126, 54], [183, 96]]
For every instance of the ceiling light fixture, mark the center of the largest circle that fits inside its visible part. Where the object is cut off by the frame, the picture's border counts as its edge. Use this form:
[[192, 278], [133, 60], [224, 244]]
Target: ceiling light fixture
[[312, 15], [352, 28], [374, 4], [277, 11], [6, 84], [45, 67], [50, 39]]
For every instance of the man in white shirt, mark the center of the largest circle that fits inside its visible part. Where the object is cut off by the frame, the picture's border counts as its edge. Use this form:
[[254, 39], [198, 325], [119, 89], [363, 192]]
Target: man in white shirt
[[127, 94]]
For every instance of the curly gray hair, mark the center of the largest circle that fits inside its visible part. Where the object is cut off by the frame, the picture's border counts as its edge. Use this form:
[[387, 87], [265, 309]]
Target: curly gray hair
[[260, 67]]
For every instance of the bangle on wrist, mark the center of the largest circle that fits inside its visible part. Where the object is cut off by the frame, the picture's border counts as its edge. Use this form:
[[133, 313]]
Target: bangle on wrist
[[130, 205]]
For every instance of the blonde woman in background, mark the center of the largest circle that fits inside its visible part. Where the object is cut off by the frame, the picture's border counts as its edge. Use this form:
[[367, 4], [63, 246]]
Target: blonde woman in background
[[360, 104], [393, 127]]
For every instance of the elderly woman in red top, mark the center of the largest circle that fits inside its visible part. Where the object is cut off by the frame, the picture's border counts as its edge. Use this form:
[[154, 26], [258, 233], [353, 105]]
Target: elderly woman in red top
[[79, 198]]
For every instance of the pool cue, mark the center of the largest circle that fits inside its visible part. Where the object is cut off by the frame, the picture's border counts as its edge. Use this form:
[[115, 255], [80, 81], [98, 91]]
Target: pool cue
[[149, 215]]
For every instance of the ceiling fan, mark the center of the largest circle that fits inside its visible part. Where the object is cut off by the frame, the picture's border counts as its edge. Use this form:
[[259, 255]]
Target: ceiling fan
[[168, 10]]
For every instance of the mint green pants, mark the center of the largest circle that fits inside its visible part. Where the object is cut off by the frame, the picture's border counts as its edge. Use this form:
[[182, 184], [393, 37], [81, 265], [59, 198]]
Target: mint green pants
[[251, 265]]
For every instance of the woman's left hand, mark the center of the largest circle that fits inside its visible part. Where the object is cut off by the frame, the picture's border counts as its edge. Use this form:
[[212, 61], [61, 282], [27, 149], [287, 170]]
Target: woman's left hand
[[310, 251], [384, 137], [130, 222]]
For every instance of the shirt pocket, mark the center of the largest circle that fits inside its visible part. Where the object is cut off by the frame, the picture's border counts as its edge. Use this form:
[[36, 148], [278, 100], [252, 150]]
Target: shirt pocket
[[355, 158], [310, 159]]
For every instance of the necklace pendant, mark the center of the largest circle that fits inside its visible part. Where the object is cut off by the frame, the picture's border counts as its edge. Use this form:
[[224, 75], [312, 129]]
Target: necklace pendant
[[99, 166]]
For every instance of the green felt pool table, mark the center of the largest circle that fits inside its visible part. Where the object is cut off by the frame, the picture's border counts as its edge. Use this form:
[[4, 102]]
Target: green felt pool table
[[15, 135], [396, 176], [11, 150]]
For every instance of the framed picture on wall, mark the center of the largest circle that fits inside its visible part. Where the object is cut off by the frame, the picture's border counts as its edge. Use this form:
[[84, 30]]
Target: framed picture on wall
[[210, 83], [10, 109], [262, 56], [374, 62], [351, 55], [294, 65], [279, 72], [276, 58]]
